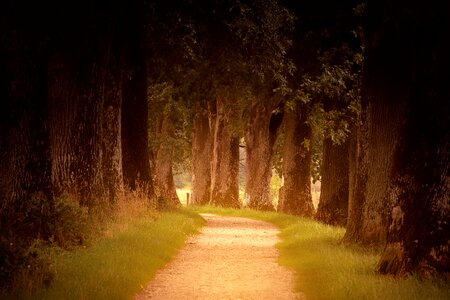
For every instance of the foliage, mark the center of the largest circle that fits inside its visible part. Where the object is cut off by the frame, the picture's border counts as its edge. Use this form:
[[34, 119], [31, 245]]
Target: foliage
[[30, 267], [334, 99], [23, 265], [70, 222], [25, 261], [328, 57], [335, 93], [230, 47], [166, 103], [264, 28]]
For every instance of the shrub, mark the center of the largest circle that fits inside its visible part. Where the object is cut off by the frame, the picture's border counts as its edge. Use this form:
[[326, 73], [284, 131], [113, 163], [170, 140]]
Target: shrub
[[36, 229], [69, 223]]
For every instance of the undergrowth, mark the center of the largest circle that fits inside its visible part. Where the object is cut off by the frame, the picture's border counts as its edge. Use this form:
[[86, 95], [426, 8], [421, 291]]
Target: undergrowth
[[118, 267], [101, 254], [327, 269]]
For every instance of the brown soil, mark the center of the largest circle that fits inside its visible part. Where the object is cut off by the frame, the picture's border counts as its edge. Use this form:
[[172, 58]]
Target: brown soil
[[232, 258]]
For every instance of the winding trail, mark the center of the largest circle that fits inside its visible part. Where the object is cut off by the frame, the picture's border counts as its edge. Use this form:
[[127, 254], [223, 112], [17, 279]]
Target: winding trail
[[232, 258]]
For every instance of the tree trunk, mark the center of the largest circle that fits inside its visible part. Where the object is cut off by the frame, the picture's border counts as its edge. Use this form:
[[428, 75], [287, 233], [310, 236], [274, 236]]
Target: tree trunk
[[260, 139], [65, 106], [225, 158], [163, 182], [201, 161], [112, 133], [408, 65], [377, 138], [357, 180], [85, 108], [296, 190], [384, 110], [136, 156], [26, 198], [333, 203]]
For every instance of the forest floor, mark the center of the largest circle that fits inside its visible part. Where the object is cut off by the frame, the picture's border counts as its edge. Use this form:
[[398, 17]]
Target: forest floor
[[231, 258]]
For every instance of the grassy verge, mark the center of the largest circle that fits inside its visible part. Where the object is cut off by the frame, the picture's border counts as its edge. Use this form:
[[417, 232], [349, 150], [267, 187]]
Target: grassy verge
[[119, 265], [326, 269]]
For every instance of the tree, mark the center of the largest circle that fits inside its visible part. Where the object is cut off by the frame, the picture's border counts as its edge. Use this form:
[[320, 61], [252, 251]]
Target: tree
[[264, 120], [134, 119], [85, 109], [61, 134], [406, 67], [266, 37], [225, 155], [377, 136], [335, 106], [333, 203], [243, 48], [295, 195], [161, 159], [201, 159], [24, 141], [165, 116]]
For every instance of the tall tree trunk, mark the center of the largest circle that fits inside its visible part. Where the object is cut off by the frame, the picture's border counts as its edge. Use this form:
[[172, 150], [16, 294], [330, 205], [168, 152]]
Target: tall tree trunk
[[136, 156], [333, 203], [26, 198], [65, 105], [377, 138], [112, 132], [295, 194], [260, 139], [85, 108], [201, 160], [225, 158], [161, 159], [357, 180], [408, 65]]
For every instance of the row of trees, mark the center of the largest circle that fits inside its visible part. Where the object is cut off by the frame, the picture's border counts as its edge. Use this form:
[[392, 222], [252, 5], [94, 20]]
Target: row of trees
[[110, 99], [380, 118]]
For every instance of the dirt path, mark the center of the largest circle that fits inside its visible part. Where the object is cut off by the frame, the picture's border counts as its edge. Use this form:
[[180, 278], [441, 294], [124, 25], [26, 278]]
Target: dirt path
[[232, 258]]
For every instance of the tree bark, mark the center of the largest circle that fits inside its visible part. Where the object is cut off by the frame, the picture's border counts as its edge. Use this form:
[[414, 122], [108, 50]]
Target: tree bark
[[65, 106], [357, 180], [85, 95], [295, 195], [260, 139], [334, 188], [201, 160], [225, 158], [24, 145], [377, 138], [333, 203], [161, 159], [136, 156], [408, 65]]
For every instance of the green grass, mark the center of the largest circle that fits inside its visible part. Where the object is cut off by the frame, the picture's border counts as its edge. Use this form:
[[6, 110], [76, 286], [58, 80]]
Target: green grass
[[118, 267], [327, 269]]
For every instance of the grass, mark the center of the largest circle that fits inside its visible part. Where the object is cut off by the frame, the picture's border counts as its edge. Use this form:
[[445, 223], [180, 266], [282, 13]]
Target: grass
[[119, 265], [327, 269]]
